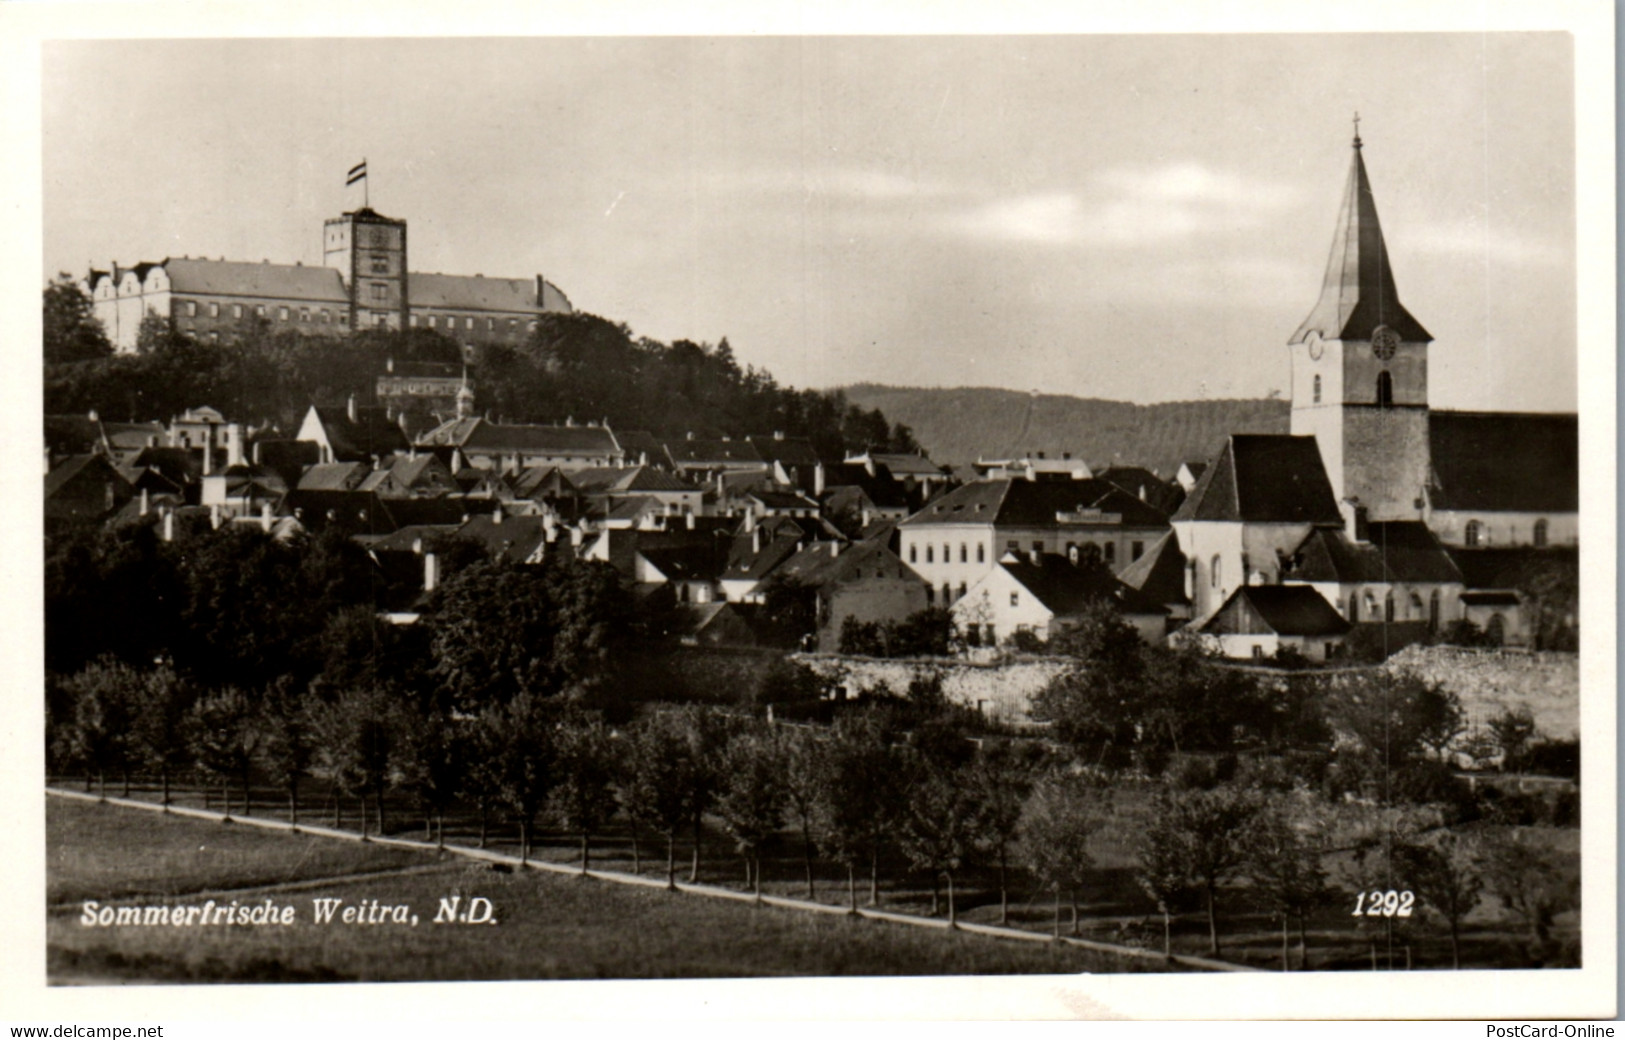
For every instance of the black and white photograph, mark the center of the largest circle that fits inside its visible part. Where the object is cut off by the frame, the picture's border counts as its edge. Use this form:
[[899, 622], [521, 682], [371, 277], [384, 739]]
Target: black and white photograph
[[1097, 513]]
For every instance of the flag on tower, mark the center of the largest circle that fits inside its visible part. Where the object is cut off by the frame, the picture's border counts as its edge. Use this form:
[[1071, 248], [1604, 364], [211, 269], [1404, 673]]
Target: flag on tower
[[358, 172]]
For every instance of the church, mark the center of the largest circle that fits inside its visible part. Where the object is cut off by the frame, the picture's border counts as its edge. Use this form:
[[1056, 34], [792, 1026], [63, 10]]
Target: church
[[364, 282], [1389, 511]]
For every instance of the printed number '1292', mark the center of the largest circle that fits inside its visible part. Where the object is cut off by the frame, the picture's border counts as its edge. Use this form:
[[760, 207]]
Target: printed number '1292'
[[1378, 903]]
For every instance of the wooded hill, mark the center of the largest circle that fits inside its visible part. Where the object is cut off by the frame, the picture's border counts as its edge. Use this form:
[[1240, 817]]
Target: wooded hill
[[957, 425]]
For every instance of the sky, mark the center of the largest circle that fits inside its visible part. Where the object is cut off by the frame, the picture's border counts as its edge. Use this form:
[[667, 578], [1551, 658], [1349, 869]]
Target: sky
[[1143, 218]]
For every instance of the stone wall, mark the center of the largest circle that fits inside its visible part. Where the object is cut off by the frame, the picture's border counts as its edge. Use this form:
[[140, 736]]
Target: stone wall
[[1492, 681], [1001, 690]]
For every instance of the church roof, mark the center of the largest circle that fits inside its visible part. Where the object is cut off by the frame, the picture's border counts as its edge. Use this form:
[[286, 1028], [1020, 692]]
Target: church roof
[[1359, 294], [1395, 550], [1505, 461], [1160, 573], [1264, 478]]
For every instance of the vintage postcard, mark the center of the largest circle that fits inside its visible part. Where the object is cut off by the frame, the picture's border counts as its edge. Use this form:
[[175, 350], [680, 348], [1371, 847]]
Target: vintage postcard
[[1038, 518]]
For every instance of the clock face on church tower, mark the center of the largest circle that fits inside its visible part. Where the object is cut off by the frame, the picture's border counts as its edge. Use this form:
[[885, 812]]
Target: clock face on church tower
[[1384, 341]]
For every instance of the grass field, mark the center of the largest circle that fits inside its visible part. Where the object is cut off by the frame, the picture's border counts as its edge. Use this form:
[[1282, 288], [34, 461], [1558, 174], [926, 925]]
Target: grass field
[[551, 926]]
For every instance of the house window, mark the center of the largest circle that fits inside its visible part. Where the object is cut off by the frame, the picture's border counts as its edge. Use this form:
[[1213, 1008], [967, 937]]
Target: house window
[[191, 308], [1013, 546], [1258, 652], [1015, 599], [1110, 552], [304, 314], [380, 320], [533, 324], [1136, 550], [1385, 390], [1540, 533], [1213, 574], [1354, 608], [412, 321], [1038, 546], [327, 316], [214, 337], [214, 310], [282, 314], [259, 310], [913, 553], [981, 553], [434, 322], [236, 310], [1388, 607], [1317, 389], [1474, 533], [513, 324], [490, 324], [930, 554]]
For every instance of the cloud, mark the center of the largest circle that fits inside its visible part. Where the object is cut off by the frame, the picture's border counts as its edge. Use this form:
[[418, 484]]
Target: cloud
[[1130, 205], [843, 183]]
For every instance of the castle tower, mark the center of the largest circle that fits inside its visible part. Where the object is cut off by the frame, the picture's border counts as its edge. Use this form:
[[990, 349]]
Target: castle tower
[[1359, 369], [369, 251]]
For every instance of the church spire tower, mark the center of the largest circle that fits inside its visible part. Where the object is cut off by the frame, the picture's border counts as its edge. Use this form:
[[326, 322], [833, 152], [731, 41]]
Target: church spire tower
[[1359, 367]]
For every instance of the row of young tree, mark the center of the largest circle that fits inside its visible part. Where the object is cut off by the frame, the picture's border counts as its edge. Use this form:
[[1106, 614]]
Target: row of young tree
[[573, 364], [859, 794]]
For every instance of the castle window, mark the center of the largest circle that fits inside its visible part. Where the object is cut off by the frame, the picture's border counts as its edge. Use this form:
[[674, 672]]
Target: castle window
[[191, 308], [1540, 533], [434, 322], [259, 310], [490, 324], [1317, 389], [1473, 534], [412, 320], [380, 265], [282, 314], [214, 310], [304, 314], [236, 310], [1385, 390], [380, 292]]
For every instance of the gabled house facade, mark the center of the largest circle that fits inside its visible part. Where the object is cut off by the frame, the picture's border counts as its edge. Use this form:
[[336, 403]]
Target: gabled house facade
[[1046, 593]]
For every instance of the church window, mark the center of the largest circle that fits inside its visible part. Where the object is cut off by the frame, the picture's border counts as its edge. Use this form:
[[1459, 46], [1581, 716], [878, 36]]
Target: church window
[[1540, 533], [1317, 389], [930, 595], [1474, 533], [1136, 550], [1370, 604], [913, 553], [1213, 571], [1354, 608], [1416, 608], [930, 553], [1433, 610], [1388, 607], [1385, 390], [961, 590], [981, 553]]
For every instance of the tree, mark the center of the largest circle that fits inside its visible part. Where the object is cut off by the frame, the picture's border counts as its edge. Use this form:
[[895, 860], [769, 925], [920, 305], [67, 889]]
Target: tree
[[224, 738], [1060, 816], [1514, 729], [1282, 858], [859, 800], [1445, 877], [101, 739], [1531, 884], [71, 331], [801, 768], [1194, 840], [751, 800], [526, 747], [429, 760], [355, 737], [288, 744], [942, 821], [161, 700], [1001, 776], [1097, 702], [583, 796], [659, 786]]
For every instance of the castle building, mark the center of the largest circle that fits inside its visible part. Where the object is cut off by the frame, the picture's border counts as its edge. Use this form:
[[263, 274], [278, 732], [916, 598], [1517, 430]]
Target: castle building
[[364, 283]]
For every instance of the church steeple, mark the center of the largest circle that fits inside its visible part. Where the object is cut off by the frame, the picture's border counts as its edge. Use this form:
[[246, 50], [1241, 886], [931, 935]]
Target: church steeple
[[1358, 294]]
